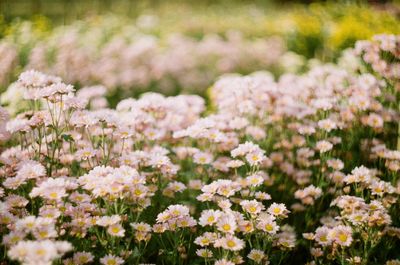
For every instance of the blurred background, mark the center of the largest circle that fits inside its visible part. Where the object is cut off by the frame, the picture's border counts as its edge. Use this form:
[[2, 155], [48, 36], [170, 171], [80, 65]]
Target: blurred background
[[179, 46]]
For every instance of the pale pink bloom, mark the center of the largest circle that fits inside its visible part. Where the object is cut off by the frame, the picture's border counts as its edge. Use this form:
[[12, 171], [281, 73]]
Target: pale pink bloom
[[327, 125], [202, 158], [322, 236], [253, 207], [38, 252], [342, 235], [116, 230], [359, 174], [209, 217], [267, 224], [85, 154], [224, 204], [223, 262], [204, 253], [243, 149], [83, 257], [227, 223], [256, 132], [374, 120], [278, 210], [230, 242], [255, 180], [235, 164], [206, 239], [256, 255], [262, 196], [323, 146], [111, 260], [108, 220], [13, 238], [336, 164], [255, 158]]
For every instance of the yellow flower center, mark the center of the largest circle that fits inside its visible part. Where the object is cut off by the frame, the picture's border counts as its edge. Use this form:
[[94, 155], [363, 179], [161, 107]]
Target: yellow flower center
[[15, 239], [83, 259], [115, 229], [277, 210], [176, 212], [343, 237], [254, 181], [111, 262], [269, 227], [41, 252], [53, 195], [252, 209], [226, 227], [358, 218], [43, 234], [205, 241], [86, 153], [231, 243]]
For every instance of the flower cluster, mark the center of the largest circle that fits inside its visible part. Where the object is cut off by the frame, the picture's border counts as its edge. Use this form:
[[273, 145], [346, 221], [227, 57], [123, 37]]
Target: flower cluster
[[303, 169], [132, 59]]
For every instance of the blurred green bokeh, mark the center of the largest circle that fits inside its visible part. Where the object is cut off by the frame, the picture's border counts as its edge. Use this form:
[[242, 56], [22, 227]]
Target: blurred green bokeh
[[318, 30]]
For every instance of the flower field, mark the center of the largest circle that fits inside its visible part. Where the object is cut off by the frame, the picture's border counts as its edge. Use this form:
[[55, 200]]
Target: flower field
[[125, 147]]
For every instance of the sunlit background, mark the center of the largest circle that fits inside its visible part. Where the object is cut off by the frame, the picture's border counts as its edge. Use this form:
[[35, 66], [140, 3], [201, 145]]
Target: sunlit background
[[179, 46]]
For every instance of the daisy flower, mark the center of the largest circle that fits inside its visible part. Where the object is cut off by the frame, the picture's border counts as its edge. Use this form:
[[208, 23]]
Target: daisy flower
[[256, 255], [111, 260], [278, 210], [116, 230]]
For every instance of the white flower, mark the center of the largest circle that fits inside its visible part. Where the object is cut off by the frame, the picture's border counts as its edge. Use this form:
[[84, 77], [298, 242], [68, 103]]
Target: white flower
[[323, 146], [204, 253], [223, 262], [254, 180], [202, 158], [38, 252], [327, 125], [267, 224], [321, 236], [230, 242], [252, 207], [227, 223], [256, 255], [116, 230], [342, 235], [209, 217], [108, 220], [111, 260], [278, 209]]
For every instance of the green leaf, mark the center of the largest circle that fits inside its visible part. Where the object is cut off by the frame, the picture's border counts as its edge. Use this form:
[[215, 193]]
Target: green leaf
[[136, 252], [67, 138]]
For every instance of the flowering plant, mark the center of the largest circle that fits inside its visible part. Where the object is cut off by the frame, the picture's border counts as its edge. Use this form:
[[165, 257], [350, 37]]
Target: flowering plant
[[299, 170]]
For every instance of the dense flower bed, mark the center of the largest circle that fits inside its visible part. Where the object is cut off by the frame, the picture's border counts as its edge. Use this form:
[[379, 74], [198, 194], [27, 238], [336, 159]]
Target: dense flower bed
[[185, 52], [127, 58], [299, 170]]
